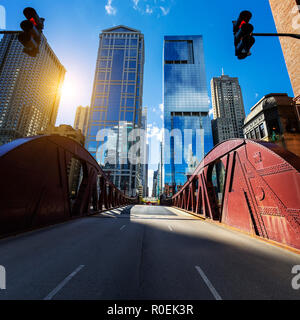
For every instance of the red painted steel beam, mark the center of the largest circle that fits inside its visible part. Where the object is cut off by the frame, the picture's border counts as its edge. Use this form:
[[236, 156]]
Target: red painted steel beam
[[36, 189], [260, 193]]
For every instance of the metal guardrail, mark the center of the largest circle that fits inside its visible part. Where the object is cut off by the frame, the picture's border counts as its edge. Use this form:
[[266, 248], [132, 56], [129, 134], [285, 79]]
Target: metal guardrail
[[250, 185], [50, 179]]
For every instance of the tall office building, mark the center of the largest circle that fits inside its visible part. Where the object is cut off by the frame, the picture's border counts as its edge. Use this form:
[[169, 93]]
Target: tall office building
[[144, 161], [228, 109], [287, 19], [29, 89], [186, 109], [116, 106], [82, 119], [155, 184]]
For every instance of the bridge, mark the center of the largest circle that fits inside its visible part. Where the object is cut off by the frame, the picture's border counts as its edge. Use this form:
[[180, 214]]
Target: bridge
[[232, 232]]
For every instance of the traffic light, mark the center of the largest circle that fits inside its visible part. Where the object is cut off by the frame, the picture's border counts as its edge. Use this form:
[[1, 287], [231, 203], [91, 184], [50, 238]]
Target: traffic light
[[243, 39], [32, 32]]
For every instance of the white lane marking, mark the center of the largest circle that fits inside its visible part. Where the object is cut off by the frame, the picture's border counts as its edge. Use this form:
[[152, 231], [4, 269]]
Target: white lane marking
[[122, 227], [171, 229], [209, 284], [63, 283]]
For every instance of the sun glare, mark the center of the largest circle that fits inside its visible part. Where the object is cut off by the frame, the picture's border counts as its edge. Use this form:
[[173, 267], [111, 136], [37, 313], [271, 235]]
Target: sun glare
[[68, 89]]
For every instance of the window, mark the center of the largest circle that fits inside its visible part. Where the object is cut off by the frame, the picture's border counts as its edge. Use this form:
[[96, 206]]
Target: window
[[105, 42], [257, 133], [131, 76], [117, 67], [132, 64], [262, 130], [92, 147], [104, 53], [130, 102], [101, 76], [101, 88], [130, 89], [120, 42], [93, 131], [96, 116]]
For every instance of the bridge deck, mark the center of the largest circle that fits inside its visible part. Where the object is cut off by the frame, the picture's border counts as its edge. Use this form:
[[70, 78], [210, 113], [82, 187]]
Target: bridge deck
[[144, 252]]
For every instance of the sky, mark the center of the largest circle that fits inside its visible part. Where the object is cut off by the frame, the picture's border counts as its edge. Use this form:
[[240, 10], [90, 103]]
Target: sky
[[72, 28]]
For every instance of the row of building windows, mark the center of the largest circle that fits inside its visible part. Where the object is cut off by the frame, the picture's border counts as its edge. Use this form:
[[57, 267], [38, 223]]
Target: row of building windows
[[257, 133]]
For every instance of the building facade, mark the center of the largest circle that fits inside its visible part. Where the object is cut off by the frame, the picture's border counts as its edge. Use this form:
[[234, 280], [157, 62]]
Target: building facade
[[30, 89], [274, 119], [65, 131], [228, 109], [287, 19], [116, 106], [145, 154], [82, 119], [155, 184], [187, 135]]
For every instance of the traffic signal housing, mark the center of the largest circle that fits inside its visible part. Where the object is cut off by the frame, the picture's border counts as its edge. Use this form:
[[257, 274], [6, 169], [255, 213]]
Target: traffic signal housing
[[32, 28], [243, 39]]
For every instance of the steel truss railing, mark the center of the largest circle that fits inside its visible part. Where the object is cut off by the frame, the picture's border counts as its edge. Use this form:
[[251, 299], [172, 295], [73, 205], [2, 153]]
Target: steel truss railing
[[50, 179]]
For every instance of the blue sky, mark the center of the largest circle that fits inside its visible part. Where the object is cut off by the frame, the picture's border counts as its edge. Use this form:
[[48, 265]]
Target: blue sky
[[72, 28]]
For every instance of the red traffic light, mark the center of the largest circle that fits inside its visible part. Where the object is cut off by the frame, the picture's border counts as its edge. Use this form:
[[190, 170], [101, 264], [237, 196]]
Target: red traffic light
[[33, 21], [30, 13], [244, 18], [33, 17]]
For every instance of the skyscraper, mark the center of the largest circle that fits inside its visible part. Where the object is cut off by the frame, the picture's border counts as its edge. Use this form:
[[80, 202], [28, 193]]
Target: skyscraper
[[82, 119], [29, 89], [144, 162], [187, 125], [287, 19], [228, 109], [116, 106]]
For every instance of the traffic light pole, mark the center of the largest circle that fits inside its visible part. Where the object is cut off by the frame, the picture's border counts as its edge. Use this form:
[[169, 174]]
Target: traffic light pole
[[291, 35], [10, 32]]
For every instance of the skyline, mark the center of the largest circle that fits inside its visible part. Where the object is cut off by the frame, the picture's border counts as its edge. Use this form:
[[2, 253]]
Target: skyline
[[84, 21], [80, 64]]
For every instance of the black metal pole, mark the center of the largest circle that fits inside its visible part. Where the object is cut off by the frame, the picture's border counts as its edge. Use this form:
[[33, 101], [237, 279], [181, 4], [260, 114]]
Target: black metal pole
[[292, 35], [10, 32]]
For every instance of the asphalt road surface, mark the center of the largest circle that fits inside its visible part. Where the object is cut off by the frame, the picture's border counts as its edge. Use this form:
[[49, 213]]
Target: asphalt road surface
[[144, 252]]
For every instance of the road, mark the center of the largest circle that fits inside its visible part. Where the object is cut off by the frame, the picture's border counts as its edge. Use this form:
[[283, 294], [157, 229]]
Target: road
[[144, 252]]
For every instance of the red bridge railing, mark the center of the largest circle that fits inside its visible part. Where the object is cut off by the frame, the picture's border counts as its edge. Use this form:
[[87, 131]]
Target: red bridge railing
[[50, 179], [249, 185]]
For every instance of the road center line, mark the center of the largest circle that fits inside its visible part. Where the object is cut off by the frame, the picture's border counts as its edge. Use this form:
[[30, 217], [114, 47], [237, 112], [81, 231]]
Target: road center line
[[122, 227], [209, 284], [63, 283]]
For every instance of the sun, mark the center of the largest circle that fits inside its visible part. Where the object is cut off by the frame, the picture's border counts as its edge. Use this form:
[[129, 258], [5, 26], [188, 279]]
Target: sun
[[68, 89]]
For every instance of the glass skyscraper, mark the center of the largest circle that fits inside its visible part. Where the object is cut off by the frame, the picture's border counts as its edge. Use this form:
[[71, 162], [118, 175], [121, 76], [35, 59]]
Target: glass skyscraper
[[188, 134], [116, 106]]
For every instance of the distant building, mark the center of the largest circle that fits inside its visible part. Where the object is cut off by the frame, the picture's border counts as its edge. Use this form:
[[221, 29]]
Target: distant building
[[228, 109], [274, 119], [145, 154], [30, 89], [65, 131], [287, 19], [82, 119], [155, 184]]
